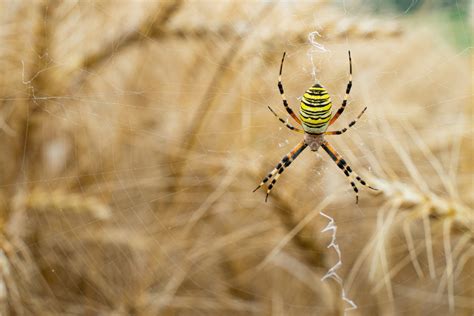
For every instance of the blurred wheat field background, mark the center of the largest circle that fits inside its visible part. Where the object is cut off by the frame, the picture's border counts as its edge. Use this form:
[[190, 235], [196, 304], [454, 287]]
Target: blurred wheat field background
[[133, 133]]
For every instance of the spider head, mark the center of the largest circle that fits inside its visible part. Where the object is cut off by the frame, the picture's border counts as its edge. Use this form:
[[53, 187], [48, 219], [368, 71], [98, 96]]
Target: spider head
[[313, 141]]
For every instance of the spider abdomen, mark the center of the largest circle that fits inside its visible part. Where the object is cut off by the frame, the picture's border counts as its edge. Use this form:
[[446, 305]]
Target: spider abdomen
[[315, 109]]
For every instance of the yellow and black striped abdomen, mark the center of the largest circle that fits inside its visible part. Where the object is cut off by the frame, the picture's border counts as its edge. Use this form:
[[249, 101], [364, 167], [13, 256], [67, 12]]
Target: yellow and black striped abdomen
[[315, 109]]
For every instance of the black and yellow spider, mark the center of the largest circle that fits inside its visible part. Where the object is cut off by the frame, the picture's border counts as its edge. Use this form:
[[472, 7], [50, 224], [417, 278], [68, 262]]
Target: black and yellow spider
[[315, 117]]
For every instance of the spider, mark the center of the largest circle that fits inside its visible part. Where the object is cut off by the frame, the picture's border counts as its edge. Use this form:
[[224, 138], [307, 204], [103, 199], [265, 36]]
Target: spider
[[314, 117]]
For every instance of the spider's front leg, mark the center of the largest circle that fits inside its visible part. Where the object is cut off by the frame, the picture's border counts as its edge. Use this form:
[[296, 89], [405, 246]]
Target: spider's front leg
[[278, 170], [342, 164]]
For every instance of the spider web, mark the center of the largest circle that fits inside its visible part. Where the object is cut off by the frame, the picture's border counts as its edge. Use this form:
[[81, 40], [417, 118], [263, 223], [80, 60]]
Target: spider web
[[133, 135]]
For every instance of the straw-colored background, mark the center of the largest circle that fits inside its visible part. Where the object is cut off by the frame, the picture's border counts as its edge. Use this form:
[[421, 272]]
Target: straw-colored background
[[132, 134]]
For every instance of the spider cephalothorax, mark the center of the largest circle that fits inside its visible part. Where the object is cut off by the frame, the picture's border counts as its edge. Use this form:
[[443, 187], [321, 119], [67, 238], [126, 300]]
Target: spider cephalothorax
[[314, 117], [314, 141]]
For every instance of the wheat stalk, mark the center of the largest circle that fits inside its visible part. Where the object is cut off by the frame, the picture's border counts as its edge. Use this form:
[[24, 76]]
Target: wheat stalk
[[91, 228]]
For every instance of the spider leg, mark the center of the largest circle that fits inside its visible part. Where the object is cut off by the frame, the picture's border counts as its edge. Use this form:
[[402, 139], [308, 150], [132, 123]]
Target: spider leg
[[342, 164], [278, 170], [345, 128], [282, 93], [348, 90], [286, 123], [294, 153], [272, 173]]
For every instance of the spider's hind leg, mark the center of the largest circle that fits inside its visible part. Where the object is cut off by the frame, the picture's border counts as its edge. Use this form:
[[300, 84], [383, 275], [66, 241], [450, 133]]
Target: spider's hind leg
[[348, 91], [282, 93]]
